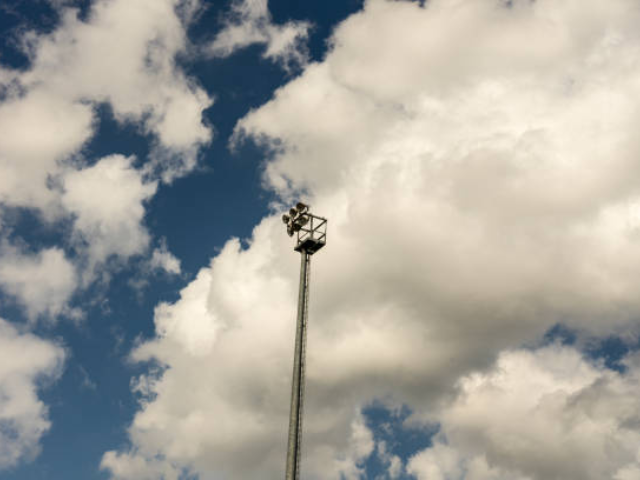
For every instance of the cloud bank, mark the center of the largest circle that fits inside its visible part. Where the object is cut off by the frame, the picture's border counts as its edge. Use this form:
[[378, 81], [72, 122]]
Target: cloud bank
[[26, 361], [42, 282], [530, 414], [477, 162]]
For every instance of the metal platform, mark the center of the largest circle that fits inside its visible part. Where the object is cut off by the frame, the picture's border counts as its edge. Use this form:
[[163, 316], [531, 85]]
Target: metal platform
[[309, 245]]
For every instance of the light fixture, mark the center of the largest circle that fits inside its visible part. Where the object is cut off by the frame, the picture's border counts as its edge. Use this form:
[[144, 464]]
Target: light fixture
[[285, 219]]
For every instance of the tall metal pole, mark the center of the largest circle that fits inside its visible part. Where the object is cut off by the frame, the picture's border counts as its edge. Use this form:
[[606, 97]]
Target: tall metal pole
[[298, 382], [311, 234]]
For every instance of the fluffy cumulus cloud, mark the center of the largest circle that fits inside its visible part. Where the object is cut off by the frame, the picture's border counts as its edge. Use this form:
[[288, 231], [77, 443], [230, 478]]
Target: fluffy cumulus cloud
[[477, 162], [40, 130], [107, 201], [26, 361], [532, 413], [42, 282], [125, 466], [250, 23], [123, 54]]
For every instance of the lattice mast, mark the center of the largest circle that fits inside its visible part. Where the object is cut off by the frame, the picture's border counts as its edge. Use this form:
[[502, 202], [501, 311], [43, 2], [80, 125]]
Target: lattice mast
[[311, 235]]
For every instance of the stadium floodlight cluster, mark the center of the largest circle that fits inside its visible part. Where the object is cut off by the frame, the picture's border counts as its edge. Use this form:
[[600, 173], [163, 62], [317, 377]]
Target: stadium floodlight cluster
[[310, 229], [311, 232], [296, 218]]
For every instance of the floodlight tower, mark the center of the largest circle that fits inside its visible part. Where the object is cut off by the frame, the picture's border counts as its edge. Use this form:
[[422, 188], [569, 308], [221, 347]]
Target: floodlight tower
[[311, 236]]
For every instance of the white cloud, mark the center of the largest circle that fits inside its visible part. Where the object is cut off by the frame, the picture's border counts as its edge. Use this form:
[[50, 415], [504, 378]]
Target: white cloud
[[25, 360], [107, 201], [188, 331], [538, 415], [326, 462], [250, 23], [188, 321], [163, 259], [124, 54], [478, 166], [494, 192], [126, 466], [39, 130], [42, 282], [395, 467]]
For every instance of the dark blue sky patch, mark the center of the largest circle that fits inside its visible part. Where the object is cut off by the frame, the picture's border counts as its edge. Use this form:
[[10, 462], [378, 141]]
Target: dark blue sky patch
[[612, 350], [115, 137], [83, 7], [92, 404], [559, 334], [389, 426], [232, 82], [27, 229], [11, 309], [197, 214], [18, 17], [89, 406], [322, 15]]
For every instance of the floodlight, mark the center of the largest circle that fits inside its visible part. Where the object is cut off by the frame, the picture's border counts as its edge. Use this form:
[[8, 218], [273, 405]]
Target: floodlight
[[293, 212], [285, 218], [297, 227], [290, 231], [303, 220], [301, 207]]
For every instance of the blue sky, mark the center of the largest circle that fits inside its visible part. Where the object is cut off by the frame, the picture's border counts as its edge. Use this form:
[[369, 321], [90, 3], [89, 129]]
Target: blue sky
[[474, 315]]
